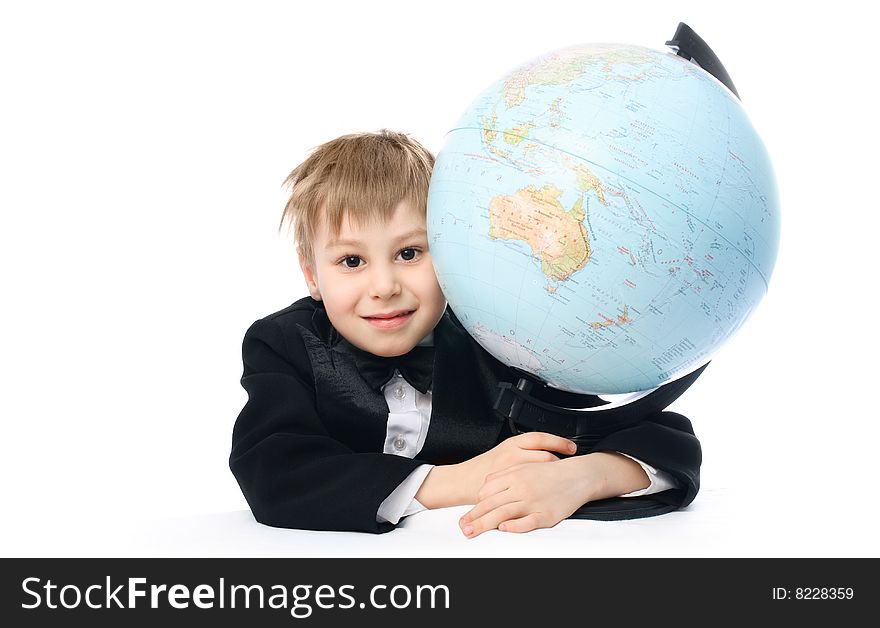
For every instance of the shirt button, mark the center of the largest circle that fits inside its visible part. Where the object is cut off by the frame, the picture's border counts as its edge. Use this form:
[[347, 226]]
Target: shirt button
[[399, 393], [399, 443]]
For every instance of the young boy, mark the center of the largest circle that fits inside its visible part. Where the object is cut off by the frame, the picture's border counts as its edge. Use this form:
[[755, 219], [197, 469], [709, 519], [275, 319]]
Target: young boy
[[368, 401]]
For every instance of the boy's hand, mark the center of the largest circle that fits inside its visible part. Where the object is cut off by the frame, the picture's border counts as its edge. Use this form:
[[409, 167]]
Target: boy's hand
[[456, 484], [517, 450], [530, 496], [525, 497]]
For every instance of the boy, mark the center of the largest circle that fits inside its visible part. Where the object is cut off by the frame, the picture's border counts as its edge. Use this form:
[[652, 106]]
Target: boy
[[369, 402]]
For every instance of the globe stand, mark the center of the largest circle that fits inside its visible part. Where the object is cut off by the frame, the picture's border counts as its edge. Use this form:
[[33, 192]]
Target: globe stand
[[687, 44], [531, 405]]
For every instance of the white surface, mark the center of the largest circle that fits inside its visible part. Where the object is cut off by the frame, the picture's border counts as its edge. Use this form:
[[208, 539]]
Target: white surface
[[435, 533], [718, 523], [143, 148]]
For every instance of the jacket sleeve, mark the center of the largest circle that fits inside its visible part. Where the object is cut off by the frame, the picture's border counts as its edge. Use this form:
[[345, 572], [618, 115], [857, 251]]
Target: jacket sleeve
[[292, 472], [664, 440]]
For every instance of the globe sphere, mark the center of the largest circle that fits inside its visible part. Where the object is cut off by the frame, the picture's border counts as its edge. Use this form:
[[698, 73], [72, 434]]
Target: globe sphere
[[604, 217]]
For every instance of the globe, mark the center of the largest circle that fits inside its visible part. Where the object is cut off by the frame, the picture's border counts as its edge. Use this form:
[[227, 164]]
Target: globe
[[604, 217]]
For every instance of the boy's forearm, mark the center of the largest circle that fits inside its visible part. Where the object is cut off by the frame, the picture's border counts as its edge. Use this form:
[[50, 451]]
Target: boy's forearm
[[444, 486], [604, 474], [609, 474]]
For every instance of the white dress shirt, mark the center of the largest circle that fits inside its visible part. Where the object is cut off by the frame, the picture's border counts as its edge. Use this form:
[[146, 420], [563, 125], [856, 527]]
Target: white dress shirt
[[409, 415]]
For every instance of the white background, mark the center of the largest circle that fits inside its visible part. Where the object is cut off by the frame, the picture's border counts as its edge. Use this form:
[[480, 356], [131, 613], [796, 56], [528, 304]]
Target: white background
[[142, 150]]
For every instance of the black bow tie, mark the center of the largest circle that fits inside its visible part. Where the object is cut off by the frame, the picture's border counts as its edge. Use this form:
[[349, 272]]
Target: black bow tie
[[416, 366]]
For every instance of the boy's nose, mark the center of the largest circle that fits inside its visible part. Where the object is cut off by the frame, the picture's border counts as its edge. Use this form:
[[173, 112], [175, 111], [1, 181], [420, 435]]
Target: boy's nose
[[384, 283]]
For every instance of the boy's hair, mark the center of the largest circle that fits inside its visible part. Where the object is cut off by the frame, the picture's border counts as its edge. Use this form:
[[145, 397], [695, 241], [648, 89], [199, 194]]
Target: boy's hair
[[363, 176]]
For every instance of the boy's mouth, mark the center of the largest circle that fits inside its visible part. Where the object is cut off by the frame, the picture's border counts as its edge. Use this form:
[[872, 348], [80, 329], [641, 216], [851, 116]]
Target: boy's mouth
[[388, 320]]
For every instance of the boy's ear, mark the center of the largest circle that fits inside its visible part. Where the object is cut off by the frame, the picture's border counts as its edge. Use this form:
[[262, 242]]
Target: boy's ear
[[309, 275]]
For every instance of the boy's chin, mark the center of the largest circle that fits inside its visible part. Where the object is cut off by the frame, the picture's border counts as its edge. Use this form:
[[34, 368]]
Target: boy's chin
[[386, 352]]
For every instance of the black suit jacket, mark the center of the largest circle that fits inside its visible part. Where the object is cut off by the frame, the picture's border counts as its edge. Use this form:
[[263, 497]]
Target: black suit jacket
[[307, 446]]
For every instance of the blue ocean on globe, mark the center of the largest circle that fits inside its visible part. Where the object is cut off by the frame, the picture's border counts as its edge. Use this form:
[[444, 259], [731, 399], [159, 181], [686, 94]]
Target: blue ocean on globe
[[604, 217]]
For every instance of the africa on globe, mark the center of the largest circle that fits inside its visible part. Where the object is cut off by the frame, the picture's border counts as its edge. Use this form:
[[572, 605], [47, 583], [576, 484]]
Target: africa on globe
[[604, 217]]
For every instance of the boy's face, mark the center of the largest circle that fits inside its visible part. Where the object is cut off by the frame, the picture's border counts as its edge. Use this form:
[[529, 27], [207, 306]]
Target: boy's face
[[377, 282]]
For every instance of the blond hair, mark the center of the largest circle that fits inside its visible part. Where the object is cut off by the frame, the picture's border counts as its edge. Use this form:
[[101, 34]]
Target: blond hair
[[364, 176]]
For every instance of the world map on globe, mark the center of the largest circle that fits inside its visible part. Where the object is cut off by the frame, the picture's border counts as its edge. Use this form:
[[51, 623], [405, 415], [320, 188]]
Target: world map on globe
[[604, 217]]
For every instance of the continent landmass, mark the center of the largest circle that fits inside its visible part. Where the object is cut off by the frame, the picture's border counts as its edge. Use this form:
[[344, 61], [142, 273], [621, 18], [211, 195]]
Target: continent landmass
[[556, 69], [557, 236], [566, 65]]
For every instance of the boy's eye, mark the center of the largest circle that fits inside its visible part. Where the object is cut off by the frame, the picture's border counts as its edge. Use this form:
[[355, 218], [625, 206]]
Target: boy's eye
[[408, 254], [351, 261]]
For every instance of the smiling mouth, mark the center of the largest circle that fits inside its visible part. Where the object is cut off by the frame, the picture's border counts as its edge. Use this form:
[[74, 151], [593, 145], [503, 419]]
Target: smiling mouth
[[391, 315], [390, 320]]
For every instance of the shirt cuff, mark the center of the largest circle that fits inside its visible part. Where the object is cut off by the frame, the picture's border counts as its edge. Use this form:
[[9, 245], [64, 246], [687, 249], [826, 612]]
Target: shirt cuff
[[402, 501], [660, 480]]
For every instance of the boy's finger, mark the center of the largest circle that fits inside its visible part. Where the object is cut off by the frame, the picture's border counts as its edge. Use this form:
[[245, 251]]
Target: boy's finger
[[502, 472], [523, 524], [487, 505], [491, 519], [548, 442], [491, 487]]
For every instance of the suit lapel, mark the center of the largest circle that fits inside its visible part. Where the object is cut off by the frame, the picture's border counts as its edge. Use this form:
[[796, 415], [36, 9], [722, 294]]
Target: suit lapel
[[353, 413]]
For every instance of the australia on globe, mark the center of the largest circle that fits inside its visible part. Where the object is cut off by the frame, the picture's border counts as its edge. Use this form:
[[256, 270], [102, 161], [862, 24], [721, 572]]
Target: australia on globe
[[604, 217]]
